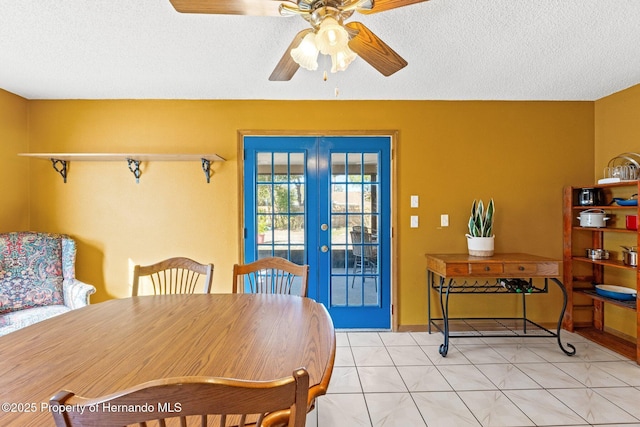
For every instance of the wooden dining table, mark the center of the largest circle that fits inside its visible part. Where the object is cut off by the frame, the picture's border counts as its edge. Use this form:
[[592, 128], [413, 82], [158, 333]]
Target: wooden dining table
[[110, 346]]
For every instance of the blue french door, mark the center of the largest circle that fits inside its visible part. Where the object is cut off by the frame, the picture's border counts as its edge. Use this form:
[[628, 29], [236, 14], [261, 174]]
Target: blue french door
[[325, 202]]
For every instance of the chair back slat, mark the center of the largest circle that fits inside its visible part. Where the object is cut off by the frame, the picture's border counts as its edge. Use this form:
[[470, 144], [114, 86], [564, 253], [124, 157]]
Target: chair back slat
[[174, 276], [273, 275], [230, 401]]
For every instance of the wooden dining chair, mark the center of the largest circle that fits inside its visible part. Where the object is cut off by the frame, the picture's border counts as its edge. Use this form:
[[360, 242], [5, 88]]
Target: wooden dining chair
[[174, 276], [272, 275], [204, 401]]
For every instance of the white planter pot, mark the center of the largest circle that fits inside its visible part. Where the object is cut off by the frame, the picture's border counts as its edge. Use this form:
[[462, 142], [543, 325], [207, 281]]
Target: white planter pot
[[480, 246]]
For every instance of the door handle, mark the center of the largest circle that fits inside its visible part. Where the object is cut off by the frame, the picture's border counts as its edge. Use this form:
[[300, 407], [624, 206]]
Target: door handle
[[324, 248]]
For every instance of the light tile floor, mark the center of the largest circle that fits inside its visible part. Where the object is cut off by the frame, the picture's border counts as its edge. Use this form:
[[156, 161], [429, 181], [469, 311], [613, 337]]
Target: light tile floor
[[384, 379]]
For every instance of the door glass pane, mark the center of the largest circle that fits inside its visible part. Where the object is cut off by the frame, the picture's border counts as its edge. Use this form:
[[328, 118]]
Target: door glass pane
[[339, 230], [355, 277], [354, 166], [296, 165], [280, 206], [338, 163], [296, 227]]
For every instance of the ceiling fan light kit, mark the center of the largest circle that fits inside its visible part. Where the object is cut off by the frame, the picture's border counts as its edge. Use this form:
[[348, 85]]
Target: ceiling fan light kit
[[341, 59], [328, 34], [330, 39], [306, 54], [331, 36]]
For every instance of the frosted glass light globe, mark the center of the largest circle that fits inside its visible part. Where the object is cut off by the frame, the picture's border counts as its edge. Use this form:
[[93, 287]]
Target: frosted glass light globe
[[341, 59], [306, 54], [331, 37]]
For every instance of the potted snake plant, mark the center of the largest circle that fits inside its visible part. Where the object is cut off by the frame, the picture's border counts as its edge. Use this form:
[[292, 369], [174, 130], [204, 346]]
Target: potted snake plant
[[480, 239]]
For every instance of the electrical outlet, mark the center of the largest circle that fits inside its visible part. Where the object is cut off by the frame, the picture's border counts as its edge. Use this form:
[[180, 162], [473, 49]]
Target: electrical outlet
[[444, 220], [414, 201], [414, 221]]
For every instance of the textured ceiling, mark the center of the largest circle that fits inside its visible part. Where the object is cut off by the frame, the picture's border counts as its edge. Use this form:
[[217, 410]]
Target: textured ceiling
[[456, 50]]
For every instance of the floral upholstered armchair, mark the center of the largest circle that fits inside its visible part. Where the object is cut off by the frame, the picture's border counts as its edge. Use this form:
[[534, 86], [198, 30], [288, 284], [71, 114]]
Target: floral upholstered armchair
[[37, 279]]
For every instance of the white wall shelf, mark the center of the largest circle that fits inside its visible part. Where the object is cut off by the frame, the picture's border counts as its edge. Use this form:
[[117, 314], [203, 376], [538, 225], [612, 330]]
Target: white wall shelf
[[60, 161]]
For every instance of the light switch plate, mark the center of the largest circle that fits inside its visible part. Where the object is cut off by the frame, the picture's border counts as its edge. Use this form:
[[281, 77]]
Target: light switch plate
[[444, 220], [414, 201], [414, 221]]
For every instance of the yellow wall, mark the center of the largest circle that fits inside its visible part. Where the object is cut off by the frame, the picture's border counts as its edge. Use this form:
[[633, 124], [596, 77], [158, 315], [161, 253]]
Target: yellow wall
[[14, 176], [448, 153], [617, 126], [617, 131]]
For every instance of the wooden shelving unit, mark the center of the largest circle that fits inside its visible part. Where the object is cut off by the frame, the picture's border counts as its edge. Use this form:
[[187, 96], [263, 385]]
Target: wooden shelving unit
[[60, 161], [579, 284]]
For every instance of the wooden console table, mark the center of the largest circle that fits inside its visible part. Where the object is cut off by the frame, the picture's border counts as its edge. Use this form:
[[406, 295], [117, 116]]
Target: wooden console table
[[511, 273]]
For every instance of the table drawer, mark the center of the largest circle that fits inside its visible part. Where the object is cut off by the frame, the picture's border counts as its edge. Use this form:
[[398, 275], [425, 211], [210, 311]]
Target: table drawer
[[457, 269], [485, 268], [521, 268]]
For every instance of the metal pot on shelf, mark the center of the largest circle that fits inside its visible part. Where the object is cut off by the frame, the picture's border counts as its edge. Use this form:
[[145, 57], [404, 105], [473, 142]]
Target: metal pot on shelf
[[593, 218], [630, 256], [596, 254]]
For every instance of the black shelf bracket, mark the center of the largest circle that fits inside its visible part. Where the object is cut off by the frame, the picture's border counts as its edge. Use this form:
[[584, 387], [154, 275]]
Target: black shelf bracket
[[206, 167], [134, 167], [60, 166]]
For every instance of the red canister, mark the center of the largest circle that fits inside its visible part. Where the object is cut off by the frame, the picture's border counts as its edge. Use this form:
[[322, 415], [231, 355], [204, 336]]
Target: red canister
[[632, 222]]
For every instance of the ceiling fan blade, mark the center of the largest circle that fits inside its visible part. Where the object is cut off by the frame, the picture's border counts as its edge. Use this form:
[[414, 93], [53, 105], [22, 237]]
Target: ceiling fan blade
[[356, 5], [287, 67], [373, 50], [382, 5], [288, 8], [228, 7]]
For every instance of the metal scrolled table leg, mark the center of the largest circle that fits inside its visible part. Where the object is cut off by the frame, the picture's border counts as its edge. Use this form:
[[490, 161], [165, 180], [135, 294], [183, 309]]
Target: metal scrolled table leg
[[559, 328], [429, 283], [444, 348]]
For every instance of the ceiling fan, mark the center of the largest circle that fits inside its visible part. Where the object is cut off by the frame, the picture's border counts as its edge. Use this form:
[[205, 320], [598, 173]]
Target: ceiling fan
[[328, 34]]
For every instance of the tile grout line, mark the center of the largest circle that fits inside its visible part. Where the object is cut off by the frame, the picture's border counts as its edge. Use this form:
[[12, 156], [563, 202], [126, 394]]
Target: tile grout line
[[543, 354]]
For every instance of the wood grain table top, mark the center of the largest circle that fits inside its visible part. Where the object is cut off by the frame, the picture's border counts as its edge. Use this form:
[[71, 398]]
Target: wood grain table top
[[110, 346], [500, 264]]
